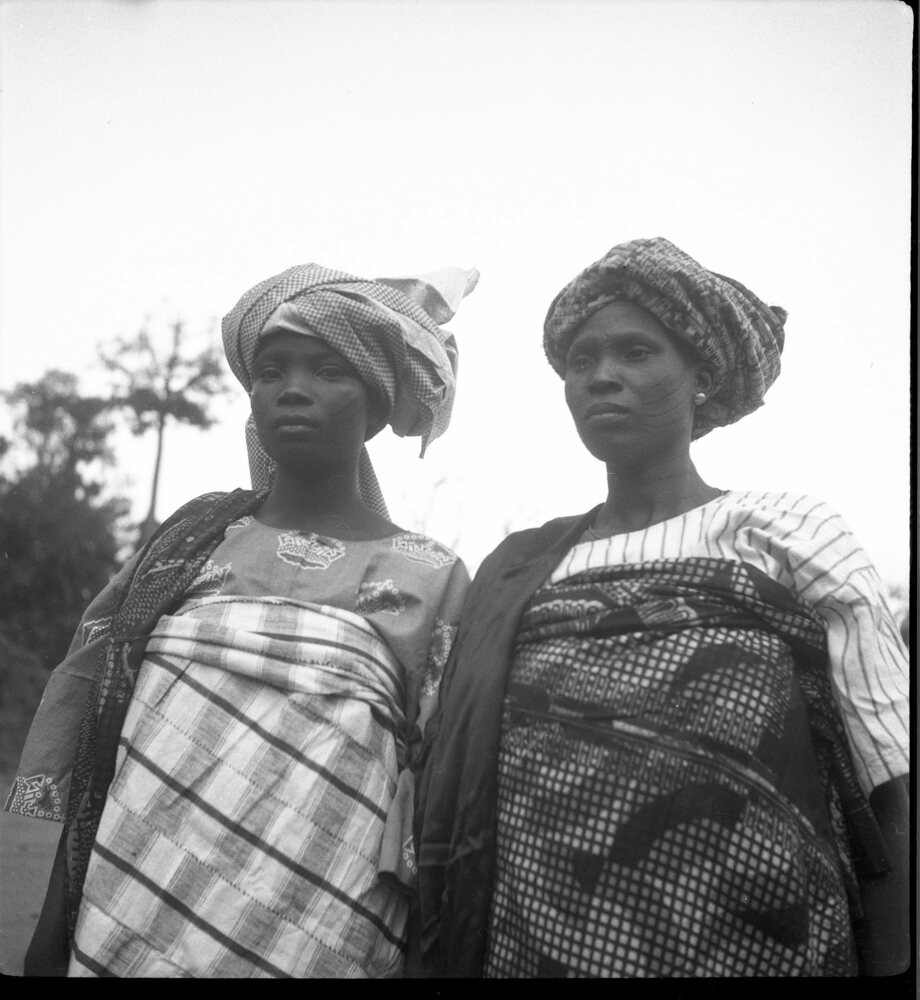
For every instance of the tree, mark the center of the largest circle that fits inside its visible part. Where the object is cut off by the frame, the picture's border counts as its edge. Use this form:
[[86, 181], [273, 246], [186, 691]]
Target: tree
[[60, 429], [59, 538], [156, 386]]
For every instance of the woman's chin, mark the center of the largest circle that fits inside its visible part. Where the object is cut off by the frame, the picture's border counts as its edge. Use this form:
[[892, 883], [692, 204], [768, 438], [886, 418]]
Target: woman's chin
[[606, 450], [633, 448]]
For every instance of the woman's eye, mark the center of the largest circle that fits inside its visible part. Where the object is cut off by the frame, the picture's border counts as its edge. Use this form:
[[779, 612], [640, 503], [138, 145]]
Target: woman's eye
[[331, 372], [637, 353], [579, 363], [267, 373]]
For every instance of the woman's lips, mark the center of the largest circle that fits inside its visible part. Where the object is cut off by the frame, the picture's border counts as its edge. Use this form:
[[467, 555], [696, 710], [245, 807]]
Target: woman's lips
[[292, 422], [605, 410], [293, 418]]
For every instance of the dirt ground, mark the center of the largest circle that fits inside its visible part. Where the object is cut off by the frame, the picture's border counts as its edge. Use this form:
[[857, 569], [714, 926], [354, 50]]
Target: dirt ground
[[27, 849]]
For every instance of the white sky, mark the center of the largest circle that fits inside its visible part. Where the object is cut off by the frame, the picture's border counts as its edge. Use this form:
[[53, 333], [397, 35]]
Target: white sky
[[161, 156]]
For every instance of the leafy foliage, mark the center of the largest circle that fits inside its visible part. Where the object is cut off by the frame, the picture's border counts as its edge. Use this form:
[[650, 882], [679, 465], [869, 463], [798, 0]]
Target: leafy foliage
[[155, 386], [60, 429], [59, 539]]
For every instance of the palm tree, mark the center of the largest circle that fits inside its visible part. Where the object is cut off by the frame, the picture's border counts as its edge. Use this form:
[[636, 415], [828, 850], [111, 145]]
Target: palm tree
[[157, 386]]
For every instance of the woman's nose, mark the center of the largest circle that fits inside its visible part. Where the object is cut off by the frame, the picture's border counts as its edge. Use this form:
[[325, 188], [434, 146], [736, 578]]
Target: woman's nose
[[605, 375], [297, 388]]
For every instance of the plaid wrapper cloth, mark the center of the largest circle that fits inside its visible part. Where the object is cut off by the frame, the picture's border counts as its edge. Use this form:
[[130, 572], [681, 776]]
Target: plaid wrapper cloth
[[243, 829], [726, 323], [170, 563]]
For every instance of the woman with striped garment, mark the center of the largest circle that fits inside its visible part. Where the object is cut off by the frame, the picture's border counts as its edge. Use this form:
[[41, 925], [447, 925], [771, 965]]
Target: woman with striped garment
[[672, 734]]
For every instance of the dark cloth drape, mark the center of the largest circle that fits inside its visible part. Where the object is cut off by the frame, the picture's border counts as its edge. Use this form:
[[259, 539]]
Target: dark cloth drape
[[457, 802]]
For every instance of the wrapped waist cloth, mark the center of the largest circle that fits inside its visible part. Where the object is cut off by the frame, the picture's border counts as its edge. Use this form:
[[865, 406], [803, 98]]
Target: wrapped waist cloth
[[258, 822], [675, 795]]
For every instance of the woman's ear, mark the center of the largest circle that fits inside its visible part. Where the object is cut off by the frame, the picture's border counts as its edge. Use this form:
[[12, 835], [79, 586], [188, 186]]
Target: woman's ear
[[705, 378], [376, 416]]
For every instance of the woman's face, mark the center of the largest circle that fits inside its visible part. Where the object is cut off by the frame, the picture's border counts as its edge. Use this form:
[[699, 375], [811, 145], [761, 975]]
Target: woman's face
[[310, 408], [629, 384]]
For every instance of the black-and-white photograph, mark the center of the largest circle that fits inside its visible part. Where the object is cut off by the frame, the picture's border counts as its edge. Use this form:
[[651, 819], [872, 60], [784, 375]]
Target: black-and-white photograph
[[455, 489]]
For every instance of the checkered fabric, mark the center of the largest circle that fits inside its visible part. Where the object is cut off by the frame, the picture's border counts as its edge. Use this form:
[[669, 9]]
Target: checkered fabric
[[389, 329], [726, 323], [242, 831], [672, 783], [114, 653]]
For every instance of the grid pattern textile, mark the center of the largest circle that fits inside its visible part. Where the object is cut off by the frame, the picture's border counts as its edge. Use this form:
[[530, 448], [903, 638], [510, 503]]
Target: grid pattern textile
[[255, 773], [803, 543], [674, 794], [726, 323]]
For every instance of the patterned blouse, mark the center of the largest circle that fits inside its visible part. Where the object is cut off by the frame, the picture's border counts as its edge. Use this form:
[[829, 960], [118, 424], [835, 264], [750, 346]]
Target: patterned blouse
[[804, 544], [409, 586]]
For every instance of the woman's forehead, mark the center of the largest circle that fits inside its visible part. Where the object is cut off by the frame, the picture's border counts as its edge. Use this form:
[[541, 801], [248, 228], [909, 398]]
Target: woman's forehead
[[286, 342], [619, 318]]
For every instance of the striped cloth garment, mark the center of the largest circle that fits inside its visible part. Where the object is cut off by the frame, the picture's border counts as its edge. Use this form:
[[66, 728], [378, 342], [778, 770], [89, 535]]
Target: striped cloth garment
[[256, 771], [804, 544]]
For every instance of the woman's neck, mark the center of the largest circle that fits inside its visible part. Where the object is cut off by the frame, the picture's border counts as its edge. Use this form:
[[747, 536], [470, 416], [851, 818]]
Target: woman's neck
[[638, 497], [328, 505]]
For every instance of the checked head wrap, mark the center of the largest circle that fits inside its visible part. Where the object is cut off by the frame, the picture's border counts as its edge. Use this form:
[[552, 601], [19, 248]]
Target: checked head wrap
[[389, 329], [727, 325]]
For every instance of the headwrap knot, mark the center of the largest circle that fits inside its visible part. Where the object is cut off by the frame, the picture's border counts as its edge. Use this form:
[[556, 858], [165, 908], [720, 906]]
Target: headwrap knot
[[726, 323]]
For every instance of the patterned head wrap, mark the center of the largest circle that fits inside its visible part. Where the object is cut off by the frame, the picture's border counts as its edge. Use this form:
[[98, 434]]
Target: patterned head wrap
[[727, 325], [389, 329]]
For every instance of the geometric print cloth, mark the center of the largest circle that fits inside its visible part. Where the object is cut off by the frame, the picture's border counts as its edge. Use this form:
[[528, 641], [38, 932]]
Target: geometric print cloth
[[672, 783], [242, 831]]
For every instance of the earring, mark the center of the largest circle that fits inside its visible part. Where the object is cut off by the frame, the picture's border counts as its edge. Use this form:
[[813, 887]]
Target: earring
[[699, 398]]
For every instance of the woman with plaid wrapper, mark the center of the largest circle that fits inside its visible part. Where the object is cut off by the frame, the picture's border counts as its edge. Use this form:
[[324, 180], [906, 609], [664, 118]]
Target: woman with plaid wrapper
[[230, 742], [672, 734]]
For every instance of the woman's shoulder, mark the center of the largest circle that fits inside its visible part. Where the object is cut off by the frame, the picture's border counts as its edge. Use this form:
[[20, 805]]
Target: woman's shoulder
[[421, 549], [430, 567], [782, 513], [808, 536], [528, 543], [206, 502], [779, 500], [790, 519]]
